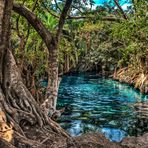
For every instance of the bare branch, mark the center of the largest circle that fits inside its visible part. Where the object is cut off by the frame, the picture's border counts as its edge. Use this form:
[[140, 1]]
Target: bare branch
[[57, 5], [63, 17], [83, 17], [121, 10], [50, 11], [87, 17], [77, 8]]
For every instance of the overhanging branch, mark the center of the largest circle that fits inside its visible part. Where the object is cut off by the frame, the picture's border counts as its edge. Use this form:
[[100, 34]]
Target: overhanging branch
[[63, 17], [42, 30], [121, 10], [35, 22], [85, 17]]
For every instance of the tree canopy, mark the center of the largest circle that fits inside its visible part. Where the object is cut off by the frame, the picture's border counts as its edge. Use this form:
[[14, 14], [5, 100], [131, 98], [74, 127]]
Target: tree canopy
[[46, 39]]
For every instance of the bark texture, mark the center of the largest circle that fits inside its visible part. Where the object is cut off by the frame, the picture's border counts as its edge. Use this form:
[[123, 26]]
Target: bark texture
[[51, 41], [16, 101]]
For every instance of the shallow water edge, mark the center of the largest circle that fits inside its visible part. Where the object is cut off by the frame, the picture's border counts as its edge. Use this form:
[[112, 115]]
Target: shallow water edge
[[103, 105]]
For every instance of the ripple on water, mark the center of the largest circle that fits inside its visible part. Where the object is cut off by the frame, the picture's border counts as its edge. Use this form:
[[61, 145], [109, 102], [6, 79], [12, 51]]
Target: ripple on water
[[104, 105]]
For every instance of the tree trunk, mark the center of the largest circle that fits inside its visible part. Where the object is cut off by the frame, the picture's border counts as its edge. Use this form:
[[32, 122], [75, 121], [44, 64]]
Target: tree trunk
[[53, 80], [1, 16], [15, 99], [49, 105]]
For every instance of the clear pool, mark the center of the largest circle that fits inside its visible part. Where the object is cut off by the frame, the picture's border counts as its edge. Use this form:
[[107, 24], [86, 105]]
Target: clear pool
[[95, 104]]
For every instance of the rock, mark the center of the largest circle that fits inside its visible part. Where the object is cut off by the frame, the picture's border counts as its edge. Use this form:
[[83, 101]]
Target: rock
[[95, 140], [136, 142]]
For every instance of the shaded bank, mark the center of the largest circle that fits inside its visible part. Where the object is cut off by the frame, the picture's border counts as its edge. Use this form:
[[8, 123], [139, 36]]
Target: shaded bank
[[134, 76]]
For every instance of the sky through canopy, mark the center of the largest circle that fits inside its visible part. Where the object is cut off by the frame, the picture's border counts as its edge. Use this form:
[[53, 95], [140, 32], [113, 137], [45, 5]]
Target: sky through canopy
[[123, 3]]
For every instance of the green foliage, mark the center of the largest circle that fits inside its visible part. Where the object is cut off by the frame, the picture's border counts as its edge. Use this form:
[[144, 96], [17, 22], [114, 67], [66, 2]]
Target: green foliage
[[92, 27], [133, 34], [119, 44], [49, 21], [86, 42]]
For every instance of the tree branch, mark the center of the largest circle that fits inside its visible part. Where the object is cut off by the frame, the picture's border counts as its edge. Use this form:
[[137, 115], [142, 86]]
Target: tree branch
[[83, 17], [121, 10], [35, 22], [63, 17], [57, 5], [114, 19], [50, 11]]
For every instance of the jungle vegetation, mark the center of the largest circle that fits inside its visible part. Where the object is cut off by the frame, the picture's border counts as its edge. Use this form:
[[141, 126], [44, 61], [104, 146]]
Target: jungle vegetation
[[46, 39]]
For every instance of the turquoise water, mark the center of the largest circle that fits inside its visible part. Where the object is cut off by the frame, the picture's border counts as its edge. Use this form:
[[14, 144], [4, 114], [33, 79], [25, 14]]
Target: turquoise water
[[102, 105]]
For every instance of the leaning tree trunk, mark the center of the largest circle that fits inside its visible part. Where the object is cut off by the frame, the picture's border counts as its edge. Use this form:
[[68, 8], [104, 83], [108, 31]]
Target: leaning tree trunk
[[51, 41], [16, 101], [53, 80]]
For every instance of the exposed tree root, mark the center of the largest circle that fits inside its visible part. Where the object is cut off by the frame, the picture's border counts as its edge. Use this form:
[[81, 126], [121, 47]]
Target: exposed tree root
[[31, 125], [137, 78]]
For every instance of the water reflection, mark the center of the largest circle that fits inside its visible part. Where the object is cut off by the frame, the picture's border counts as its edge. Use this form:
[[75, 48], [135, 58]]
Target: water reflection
[[104, 105], [114, 134]]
